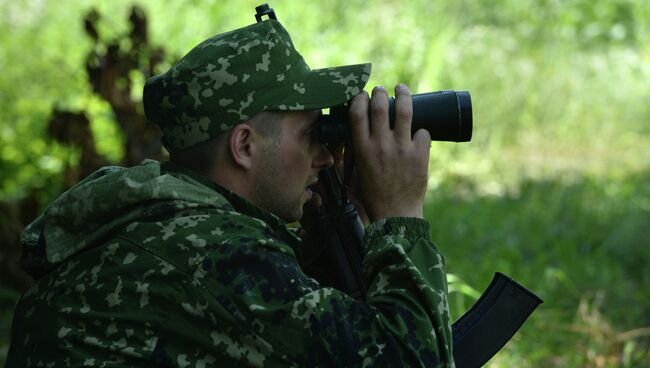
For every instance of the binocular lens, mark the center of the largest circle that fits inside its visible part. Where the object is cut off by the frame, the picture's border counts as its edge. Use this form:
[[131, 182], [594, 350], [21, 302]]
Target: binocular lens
[[447, 115]]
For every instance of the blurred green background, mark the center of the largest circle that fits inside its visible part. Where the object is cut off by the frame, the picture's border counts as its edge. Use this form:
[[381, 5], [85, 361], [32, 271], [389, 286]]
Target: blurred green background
[[554, 188]]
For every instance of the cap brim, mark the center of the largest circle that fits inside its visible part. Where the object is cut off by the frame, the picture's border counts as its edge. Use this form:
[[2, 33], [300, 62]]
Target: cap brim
[[323, 88]]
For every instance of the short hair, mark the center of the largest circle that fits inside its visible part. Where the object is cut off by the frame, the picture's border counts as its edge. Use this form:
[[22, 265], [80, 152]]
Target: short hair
[[202, 157]]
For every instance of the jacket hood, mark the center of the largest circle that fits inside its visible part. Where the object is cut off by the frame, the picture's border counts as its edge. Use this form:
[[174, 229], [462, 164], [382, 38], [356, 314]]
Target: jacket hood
[[105, 201]]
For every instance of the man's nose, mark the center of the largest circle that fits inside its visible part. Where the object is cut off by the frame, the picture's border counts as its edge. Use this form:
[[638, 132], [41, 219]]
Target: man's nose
[[324, 158]]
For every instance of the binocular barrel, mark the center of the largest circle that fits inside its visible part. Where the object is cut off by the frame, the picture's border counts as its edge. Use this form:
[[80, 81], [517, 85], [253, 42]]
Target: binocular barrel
[[447, 115]]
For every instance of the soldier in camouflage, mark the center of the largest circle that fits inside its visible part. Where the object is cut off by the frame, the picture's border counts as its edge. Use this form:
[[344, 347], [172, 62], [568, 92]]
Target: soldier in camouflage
[[190, 263]]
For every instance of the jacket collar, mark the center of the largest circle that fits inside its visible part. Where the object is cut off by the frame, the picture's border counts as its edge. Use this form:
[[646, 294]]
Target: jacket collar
[[241, 205]]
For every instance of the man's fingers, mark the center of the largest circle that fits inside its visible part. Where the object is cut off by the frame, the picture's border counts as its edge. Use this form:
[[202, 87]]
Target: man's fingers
[[358, 115], [403, 113], [380, 127], [422, 141]]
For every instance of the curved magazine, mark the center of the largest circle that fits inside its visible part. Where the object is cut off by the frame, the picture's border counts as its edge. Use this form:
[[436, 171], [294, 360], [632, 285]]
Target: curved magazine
[[488, 325]]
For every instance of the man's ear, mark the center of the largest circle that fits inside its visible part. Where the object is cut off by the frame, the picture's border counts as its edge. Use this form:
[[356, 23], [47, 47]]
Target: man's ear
[[241, 142]]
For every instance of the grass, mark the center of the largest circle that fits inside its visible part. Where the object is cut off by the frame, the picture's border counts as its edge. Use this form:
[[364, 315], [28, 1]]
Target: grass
[[581, 246]]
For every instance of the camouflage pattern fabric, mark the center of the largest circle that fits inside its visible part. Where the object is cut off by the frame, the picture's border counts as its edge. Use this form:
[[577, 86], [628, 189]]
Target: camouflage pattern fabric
[[229, 78], [152, 266]]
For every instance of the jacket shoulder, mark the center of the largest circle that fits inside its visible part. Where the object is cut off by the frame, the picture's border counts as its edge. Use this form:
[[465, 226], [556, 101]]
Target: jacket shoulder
[[186, 236]]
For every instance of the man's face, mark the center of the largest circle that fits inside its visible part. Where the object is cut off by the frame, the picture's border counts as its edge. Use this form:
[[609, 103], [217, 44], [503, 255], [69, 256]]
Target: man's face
[[285, 170]]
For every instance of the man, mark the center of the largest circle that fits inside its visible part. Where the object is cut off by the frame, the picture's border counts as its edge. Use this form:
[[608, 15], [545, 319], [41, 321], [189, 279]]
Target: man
[[190, 263]]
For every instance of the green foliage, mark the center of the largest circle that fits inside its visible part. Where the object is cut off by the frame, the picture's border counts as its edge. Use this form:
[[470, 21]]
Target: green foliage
[[552, 190], [582, 246]]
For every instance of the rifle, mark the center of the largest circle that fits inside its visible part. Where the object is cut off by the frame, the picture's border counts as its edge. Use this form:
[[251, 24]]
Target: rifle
[[477, 335]]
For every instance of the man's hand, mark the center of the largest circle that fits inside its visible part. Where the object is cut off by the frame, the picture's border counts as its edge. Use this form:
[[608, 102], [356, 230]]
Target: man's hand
[[391, 166]]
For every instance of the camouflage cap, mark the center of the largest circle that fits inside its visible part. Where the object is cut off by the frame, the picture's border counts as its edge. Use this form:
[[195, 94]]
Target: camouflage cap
[[229, 78]]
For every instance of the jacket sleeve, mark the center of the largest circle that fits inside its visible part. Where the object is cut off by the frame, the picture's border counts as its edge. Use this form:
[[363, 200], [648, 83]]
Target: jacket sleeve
[[406, 274], [282, 317]]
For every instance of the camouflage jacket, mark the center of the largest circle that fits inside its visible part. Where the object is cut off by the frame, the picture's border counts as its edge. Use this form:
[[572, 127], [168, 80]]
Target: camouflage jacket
[[154, 266]]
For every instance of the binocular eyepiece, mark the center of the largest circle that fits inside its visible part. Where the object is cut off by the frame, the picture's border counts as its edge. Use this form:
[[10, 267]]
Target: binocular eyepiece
[[447, 115]]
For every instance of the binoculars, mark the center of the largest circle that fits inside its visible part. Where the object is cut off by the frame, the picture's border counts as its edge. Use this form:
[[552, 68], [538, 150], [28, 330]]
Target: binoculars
[[447, 115]]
